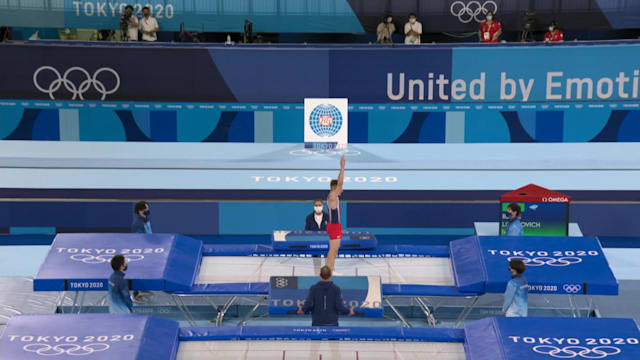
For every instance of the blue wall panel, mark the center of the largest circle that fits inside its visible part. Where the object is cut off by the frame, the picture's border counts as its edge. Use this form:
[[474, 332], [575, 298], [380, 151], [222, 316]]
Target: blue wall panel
[[254, 218]]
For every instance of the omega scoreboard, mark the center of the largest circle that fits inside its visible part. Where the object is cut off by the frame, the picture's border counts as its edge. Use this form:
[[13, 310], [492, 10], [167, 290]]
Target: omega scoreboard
[[544, 212]]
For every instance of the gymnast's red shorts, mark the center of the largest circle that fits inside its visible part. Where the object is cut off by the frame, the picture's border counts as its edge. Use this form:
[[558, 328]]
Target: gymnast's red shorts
[[335, 231]]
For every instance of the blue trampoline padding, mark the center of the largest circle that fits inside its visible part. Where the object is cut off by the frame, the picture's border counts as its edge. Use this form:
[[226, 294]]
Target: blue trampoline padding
[[258, 288], [538, 338], [102, 336], [321, 333], [263, 289], [364, 293], [80, 262], [319, 240], [556, 265], [469, 272], [184, 263], [380, 251], [424, 290]]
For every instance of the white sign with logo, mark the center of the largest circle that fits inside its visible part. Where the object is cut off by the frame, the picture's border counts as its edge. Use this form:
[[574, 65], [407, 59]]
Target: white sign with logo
[[326, 121]]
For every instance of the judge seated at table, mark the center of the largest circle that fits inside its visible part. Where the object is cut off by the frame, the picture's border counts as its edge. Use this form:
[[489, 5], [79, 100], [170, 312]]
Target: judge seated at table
[[318, 219]]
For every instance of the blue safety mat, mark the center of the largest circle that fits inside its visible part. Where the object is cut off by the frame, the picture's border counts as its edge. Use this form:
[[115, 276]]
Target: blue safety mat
[[89, 336], [363, 293], [380, 251], [80, 262], [557, 265], [262, 288], [552, 338], [319, 240], [320, 333]]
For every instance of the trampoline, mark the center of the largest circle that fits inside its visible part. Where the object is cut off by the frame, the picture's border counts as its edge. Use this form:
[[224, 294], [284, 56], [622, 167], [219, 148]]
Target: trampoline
[[142, 337], [183, 267]]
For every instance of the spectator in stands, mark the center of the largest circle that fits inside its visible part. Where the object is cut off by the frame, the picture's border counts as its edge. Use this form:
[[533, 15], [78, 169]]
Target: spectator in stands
[[554, 34], [412, 30], [141, 221], [490, 29], [514, 228], [318, 219], [385, 30], [324, 301], [131, 21], [516, 297], [148, 26], [119, 299]]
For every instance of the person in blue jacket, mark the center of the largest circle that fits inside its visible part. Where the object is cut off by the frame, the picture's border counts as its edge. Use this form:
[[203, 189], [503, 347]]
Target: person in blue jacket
[[514, 228], [141, 221], [318, 219], [119, 298], [516, 297], [324, 301], [141, 224]]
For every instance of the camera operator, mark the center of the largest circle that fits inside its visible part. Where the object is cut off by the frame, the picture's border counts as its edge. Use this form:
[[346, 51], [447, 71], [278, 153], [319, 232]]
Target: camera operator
[[129, 24]]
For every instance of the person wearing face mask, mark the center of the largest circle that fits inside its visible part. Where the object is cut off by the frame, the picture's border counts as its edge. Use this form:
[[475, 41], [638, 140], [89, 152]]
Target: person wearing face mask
[[148, 26], [385, 30], [490, 29], [119, 299], [318, 219], [412, 30], [141, 221], [515, 226], [516, 297], [554, 34], [141, 224]]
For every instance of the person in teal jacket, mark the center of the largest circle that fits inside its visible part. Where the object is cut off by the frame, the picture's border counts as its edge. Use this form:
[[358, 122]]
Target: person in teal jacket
[[516, 298], [119, 298], [514, 228]]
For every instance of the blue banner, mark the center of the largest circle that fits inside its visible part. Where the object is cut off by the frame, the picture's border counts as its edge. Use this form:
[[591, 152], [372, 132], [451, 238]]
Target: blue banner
[[397, 95]]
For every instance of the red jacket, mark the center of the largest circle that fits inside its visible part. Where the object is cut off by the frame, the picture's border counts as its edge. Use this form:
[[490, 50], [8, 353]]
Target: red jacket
[[554, 36], [491, 30]]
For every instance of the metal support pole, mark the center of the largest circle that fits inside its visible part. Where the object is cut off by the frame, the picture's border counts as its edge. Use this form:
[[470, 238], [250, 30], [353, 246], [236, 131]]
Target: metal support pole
[[465, 312], [395, 311], [182, 307], [249, 314], [224, 310], [425, 309], [73, 305], [82, 296]]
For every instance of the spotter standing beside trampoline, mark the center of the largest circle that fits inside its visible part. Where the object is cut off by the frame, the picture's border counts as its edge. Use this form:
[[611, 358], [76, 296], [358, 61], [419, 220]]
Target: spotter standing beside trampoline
[[334, 228]]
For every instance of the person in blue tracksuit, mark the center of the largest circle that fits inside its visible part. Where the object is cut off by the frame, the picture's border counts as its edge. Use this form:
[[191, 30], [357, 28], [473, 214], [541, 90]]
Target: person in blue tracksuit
[[514, 228], [141, 224], [516, 298], [325, 301], [141, 218], [119, 299]]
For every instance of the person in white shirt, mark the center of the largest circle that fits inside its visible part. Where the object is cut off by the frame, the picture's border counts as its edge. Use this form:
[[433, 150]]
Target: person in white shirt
[[148, 26], [132, 23], [412, 30]]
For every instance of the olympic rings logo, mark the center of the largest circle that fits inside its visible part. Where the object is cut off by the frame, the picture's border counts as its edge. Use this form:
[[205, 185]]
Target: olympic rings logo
[[100, 259], [547, 260], [281, 282], [307, 152], [66, 349], [467, 12], [84, 86], [573, 289], [570, 352]]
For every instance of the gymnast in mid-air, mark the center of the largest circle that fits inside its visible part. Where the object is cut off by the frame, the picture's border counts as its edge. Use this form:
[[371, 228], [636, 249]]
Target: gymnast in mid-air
[[334, 228]]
